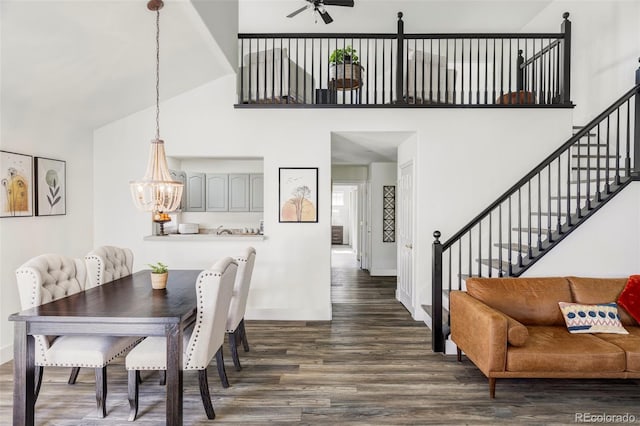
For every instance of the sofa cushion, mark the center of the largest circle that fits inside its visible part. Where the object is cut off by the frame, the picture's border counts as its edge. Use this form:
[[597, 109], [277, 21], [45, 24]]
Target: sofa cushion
[[517, 333], [599, 290], [554, 349], [600, 318], [531, 301], [629, 298], [630, 343]]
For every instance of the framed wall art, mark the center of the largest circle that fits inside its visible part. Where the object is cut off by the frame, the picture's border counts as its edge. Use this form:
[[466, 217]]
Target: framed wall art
[[16, 182], [298, 192], [51, 187], [389, 214]]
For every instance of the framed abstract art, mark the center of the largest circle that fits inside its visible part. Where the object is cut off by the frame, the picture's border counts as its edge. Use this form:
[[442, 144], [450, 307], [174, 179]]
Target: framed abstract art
[[16, 182], [51, 187]]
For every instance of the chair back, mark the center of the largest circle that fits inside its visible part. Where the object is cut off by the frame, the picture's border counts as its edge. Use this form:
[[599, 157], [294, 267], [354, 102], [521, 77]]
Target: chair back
[[46, 278], [241, 288], [214, 288], [108, 263]]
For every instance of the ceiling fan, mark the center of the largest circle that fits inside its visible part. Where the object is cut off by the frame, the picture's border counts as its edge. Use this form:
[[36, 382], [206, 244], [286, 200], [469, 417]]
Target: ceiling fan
[[319, 6]]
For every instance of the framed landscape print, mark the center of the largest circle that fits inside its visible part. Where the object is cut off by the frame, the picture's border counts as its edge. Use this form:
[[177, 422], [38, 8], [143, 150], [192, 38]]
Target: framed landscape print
[[298, 194], [51, 187], [16, 180]]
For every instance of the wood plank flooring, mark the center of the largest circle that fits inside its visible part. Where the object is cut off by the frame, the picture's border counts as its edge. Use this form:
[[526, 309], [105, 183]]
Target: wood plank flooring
[[371, 364]]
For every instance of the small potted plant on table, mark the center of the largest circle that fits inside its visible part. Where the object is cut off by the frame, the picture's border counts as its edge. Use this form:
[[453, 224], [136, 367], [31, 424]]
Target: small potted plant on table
[[345, 73], [159, 275]]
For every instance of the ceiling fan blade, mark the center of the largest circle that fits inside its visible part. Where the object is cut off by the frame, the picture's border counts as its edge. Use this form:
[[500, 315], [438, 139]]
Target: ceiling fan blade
[[325, 16], [347, 3], [302, 9]]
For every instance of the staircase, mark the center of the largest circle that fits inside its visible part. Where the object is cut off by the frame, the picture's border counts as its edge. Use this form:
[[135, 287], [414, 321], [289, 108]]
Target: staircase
[[541, 209]]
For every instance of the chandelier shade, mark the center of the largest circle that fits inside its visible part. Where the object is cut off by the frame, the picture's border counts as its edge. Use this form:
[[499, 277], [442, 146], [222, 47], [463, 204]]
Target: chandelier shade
[[157, 191]]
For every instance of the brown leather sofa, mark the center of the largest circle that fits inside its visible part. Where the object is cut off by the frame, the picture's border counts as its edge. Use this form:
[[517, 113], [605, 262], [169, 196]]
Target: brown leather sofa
[[513, 328]]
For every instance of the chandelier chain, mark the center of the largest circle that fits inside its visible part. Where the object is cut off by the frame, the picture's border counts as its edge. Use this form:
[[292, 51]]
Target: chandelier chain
[[158, 74]]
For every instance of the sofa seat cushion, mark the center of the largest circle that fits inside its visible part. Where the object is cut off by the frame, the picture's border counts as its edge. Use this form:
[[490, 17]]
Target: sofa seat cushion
[[553, 348], [530, 301], [590, 291], [630, 343]]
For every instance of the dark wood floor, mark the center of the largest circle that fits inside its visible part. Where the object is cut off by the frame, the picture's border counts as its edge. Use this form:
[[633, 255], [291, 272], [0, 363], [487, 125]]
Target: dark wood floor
[[371, 365]]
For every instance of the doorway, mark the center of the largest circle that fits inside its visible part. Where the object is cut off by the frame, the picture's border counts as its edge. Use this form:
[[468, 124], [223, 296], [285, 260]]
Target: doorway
[[345, 232]]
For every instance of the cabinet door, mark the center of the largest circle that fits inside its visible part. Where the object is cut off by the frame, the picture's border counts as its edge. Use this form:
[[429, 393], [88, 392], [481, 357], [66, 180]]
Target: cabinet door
[[239, 192], [256, 202], [217, 192], [181, 176], [195, 192]]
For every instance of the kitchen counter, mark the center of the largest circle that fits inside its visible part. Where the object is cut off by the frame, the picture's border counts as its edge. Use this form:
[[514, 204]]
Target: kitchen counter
[[205, 237]]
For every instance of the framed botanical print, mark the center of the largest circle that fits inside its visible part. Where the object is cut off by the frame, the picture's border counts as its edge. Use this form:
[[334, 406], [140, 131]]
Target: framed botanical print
[[298, 192], [51, 187], [16, 182]]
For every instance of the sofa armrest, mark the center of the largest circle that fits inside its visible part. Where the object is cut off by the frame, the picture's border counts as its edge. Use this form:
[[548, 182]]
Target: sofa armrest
[[480, 331]]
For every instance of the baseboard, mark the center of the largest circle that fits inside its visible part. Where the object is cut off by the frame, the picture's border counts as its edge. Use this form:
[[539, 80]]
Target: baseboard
[[421, 315], [287, 315], [383, 272], [6, 354]]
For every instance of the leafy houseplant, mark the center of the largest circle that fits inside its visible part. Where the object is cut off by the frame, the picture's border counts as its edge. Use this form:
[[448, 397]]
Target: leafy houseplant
[[340, 56], [159, 274], [345, 72]]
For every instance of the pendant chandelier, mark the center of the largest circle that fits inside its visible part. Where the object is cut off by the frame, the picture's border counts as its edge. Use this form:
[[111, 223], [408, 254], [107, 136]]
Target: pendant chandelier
[[157, 192]]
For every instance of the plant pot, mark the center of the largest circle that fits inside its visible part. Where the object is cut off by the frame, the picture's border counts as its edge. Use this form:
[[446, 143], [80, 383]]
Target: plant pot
[[345, 76], [159, 281]]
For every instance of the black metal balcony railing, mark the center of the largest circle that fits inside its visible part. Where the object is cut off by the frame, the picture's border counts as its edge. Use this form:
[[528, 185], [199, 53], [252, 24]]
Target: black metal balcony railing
[[444, 70]]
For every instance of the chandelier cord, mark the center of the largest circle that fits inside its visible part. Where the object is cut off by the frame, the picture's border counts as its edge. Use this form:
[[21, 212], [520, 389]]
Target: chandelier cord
[[158, 74]]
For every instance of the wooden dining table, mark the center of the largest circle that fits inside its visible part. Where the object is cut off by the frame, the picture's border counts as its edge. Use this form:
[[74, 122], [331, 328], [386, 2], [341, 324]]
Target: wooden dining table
[[125, 307]]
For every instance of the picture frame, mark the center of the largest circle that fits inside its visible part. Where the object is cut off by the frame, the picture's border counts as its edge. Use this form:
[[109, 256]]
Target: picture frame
[[51, 187], [298, 194], [16, 184]]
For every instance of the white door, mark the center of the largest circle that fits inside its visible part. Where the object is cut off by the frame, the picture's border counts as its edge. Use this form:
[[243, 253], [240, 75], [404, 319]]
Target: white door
[[404, 203]]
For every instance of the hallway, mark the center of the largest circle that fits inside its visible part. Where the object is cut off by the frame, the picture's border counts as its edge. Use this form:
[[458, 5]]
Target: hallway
[[371, 364]]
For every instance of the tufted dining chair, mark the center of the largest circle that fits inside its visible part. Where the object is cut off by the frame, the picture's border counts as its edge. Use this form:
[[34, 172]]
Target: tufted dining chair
[[108, 263], [50, 277], [203, 340], [235, 319]]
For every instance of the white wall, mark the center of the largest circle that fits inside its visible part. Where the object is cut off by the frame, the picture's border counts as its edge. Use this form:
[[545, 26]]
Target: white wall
[[383, 255], [466, 158], [221, 19], [348, 174], [26, 237], [605, 49]]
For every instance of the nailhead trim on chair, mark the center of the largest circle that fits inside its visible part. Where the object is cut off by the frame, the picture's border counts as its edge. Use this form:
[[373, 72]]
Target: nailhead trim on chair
[[198, 326], [238, 259], [122, 352], [98, 259]]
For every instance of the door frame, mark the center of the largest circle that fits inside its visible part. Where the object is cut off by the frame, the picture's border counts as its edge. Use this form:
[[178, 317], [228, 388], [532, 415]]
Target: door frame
[[358, 243]]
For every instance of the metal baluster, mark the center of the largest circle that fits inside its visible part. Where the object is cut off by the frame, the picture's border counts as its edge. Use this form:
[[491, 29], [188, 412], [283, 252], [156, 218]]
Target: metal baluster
[[493, 84], [375, 71], [502, 74], [490, 255], [480, 249], [470, 255], [383, 67], [599, 168], [470, 70], [559, 220], [520, 227], [549, 238], [486, 70], [273, 69], [422, 74], [501, 272], [618, 146], [478, 74], [608, 167], [529, 242], [455, 48], [509, 89], [439, 67], [430, 71], [578, 175], [460, 262], [627, 160], [391, 83], [446, 73], [588, 191], [510, 234], [281, 76], [462, 71], [367, 72], [313, 54], [568, 151]]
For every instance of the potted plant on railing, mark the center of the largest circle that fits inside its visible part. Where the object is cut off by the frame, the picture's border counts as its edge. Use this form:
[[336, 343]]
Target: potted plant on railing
[[159, 275], [345, 72]]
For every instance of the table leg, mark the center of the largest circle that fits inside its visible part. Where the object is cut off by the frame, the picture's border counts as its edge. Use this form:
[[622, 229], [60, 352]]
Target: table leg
[[174, 375], [23, 376]]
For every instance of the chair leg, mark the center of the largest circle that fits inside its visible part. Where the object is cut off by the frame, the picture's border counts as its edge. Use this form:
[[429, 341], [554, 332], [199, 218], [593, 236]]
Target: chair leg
[[204, 393], [459, 351], [74, 375], [133, 377], [492, 387], [221, 371], [243, 333], [233, 344], [39, 371], [101, 390], [163, 377]]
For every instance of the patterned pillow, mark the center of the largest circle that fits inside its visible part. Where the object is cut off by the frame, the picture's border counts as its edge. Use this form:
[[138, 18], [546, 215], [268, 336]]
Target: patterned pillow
[[601, 318], [629, 299]]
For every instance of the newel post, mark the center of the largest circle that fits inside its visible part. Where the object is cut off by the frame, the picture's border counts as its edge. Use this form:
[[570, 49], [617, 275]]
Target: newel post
[[400, 61], [636, 132], [520, 73], [437, 338], [565, 71]]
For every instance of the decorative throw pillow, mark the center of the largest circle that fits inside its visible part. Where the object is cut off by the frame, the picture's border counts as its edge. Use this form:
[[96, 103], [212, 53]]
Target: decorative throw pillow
[[629, 299], [601, 318]]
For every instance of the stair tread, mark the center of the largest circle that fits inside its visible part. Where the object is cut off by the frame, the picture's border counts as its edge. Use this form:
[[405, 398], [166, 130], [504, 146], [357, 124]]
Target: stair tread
[[514, 246], [602, 157], [496, 264]]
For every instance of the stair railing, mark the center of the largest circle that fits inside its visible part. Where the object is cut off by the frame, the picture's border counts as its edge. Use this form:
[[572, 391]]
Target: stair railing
[[542, 208]]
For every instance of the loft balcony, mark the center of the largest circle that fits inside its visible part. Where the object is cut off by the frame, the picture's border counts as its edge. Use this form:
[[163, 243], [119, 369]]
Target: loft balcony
[[456, 70]]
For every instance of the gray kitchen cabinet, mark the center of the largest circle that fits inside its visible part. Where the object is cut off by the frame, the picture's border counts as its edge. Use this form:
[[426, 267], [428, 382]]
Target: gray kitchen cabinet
[[181, 176], [256, 189], [217, 192], [238, 192], [195, 192]]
